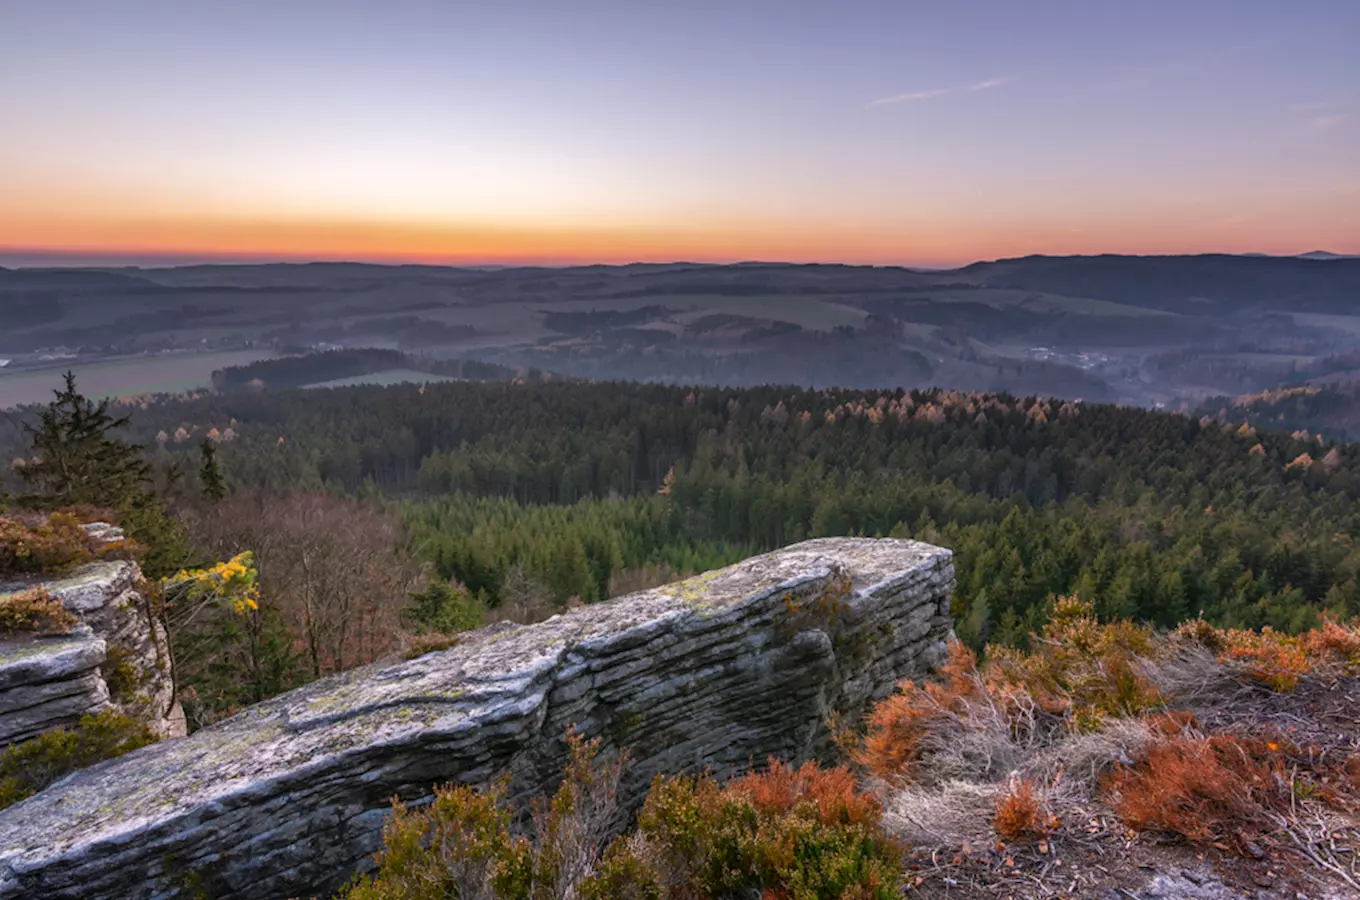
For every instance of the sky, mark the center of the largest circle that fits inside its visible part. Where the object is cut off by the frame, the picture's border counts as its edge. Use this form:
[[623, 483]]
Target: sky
[[917, 133]]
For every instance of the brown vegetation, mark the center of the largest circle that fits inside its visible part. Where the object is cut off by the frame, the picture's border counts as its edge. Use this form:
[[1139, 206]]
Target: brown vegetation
[[1019, 814], [327, 592], [1101, 728], [786, 832], [42, 545], [33, 611], [327, 564]]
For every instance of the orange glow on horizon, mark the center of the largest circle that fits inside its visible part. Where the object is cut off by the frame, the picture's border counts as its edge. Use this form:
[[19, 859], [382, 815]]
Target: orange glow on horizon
[[948, 243]]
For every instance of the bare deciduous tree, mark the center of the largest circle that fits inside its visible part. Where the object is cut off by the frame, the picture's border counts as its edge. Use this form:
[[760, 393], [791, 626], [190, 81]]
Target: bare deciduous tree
[[332, 566]]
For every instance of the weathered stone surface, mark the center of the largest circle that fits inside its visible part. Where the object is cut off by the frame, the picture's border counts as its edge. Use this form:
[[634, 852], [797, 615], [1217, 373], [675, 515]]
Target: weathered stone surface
[[288, 798], [50, 681], [46, 683]]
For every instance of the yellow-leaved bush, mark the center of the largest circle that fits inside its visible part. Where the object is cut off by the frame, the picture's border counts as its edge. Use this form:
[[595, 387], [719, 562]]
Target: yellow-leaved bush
[[232, 583]]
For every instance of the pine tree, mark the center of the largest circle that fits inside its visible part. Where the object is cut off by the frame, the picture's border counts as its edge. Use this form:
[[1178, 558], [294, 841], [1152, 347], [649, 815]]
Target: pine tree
[[210, 473], [76, 462]]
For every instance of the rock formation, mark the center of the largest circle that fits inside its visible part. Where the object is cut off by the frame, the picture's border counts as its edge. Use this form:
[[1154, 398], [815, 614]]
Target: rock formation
[[117, 655], [288, 798]]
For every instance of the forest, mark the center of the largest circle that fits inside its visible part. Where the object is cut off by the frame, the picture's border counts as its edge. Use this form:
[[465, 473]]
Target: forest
[[446, 504]]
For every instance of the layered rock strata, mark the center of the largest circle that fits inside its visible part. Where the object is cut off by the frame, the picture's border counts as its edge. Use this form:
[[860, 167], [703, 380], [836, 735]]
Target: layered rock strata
[[288, 798], [117, 654]]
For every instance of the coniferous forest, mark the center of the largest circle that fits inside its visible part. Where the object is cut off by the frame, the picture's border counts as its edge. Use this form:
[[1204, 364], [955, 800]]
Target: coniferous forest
[[550, 493]]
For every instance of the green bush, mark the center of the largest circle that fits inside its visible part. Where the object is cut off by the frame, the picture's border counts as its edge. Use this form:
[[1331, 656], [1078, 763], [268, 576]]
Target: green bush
[[804, 833], [444, 607], [32, 765], [801, 833]]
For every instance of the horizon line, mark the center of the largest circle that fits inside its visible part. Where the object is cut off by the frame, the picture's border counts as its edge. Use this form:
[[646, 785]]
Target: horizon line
[[15, 258]]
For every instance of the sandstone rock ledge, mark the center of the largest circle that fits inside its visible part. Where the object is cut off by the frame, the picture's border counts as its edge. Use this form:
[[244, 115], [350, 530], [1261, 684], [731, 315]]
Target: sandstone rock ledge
[[50, 681], [289, 797]]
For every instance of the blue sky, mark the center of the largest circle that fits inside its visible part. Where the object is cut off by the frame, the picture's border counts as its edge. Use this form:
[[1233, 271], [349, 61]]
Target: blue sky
[[857, 131]]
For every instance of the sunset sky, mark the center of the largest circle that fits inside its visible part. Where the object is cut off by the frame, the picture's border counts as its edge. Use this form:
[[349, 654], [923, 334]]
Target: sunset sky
[[925, 133]]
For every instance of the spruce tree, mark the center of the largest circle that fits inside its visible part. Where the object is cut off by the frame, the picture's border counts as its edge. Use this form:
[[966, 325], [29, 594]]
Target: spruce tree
[[76, 461], [210, 473]]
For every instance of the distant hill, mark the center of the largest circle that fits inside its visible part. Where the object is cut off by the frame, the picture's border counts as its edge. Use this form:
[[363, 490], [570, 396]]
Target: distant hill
[[1186, 284], [1134, 329], [1326, 254]]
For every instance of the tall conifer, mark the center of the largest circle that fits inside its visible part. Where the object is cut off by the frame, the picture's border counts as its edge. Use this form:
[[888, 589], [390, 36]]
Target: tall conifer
[[76, 461]]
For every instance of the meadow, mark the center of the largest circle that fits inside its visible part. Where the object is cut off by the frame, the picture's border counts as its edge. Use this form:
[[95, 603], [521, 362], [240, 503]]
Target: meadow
[[169, 373]]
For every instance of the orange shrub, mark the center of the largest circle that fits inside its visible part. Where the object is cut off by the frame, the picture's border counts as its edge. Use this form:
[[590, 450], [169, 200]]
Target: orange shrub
[[1079, 674], [1280, 660], [1273, 659], [1019, 814], [1335, 641], [783, 833], [1081, 670], [898, 724], [1215, 789], [47, 546], [831, 795]]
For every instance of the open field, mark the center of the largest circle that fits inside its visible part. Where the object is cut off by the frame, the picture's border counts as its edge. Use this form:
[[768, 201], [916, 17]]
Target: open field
[[162, 373], [523, 319], [1136, 329]]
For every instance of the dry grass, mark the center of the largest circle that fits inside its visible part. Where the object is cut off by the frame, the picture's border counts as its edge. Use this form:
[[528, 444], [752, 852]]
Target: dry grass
[[43, 546], [1100, 727], [982, 723], [1275, 660]]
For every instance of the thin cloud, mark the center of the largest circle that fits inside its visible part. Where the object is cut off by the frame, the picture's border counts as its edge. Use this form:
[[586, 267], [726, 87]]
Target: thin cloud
[[912, 96], [1323, 123], [909, 97], [989, 84]]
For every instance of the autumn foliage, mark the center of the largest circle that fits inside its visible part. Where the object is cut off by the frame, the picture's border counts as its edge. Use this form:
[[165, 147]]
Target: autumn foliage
[[1079, 674], [1223, 789], [784, 833], [33, 611], [1019, 813], [1276, 660], [804, 832]]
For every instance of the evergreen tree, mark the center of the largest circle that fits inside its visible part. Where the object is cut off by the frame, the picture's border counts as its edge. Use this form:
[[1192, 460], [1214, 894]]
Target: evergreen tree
[[210, 473], [76, 461]]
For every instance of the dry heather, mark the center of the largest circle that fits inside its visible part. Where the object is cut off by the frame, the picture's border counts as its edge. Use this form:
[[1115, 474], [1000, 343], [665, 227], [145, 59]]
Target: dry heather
[[1108, 757], [1107, 741], [33, 611]]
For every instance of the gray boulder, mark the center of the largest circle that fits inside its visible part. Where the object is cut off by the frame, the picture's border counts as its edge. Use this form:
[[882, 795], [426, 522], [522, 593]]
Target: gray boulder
[[50, 681], [288, 798]]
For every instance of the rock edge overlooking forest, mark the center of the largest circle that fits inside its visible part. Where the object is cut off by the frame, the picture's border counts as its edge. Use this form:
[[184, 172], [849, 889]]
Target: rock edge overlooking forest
[[290, 796]]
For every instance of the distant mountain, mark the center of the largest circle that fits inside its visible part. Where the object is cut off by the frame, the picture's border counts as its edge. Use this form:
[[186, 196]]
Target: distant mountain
[[1326, 254], [1207, 284]]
